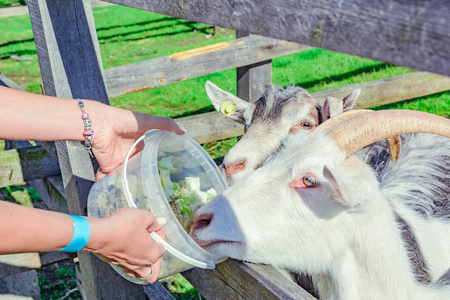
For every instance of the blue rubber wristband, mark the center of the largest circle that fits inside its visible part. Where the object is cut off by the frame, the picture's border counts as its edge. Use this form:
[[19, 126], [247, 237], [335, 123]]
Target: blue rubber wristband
[[81, 234]]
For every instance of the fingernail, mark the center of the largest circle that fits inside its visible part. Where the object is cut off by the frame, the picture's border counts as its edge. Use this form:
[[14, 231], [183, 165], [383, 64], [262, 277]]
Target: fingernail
[[161, 220], [182, 128]]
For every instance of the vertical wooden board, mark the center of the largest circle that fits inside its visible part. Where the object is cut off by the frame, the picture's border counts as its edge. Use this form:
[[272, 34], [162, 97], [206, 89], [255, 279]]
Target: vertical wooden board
[[50, 193], [104, 276], [71, 67], [37, 163], [251, 78], [67, 47]]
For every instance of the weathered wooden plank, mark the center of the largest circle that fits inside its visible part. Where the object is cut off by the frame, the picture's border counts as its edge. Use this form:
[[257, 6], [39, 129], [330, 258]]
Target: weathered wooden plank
[[251, 78], [52, 193], [18, 263], [213, 126], [10, 168], [24, 164], [273, 280], [390, 90], [408, 33], [50, 189], [49, 258], [210, 127], [157, 291], [36, 162], [193, 63], [5, 81], [68, 52], [239, 280], [28, 260]]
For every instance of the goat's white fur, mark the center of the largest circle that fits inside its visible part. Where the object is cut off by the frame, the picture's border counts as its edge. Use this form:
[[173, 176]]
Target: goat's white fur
[[343, 233]]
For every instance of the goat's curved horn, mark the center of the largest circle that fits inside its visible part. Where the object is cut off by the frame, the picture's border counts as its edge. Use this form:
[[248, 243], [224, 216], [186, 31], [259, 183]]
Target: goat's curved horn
[[394, 143], [338, 119], [354, 134]]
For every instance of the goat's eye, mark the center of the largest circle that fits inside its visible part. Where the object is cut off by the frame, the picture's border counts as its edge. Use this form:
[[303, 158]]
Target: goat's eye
[[310, 182], [306, 125], [302, 125]]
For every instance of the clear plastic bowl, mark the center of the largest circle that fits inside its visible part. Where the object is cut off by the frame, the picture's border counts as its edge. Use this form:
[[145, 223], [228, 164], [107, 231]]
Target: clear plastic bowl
[[142, 186]]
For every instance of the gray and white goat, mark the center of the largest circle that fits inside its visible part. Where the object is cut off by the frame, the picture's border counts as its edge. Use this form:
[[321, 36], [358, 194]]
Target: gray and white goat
[[269, 121], [316, 209]]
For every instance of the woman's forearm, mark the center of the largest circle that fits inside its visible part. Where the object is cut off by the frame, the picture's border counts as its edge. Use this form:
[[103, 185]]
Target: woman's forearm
[[27, 116], [24, 229]]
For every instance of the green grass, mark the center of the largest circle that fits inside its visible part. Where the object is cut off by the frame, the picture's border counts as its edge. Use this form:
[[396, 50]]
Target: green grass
[[9, 3], [58, 281], [180, 288], [128, 35]]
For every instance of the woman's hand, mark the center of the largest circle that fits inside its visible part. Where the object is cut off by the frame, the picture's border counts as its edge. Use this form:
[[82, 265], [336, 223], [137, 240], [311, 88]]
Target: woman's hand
[[116, 131], [123, 238]]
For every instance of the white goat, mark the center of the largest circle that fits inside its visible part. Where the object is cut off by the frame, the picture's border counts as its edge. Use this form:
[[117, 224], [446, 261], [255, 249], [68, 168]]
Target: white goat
[[269, 121], [315, 208]]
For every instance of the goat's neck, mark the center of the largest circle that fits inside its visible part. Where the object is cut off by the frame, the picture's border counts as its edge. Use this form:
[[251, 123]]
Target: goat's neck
[[375, 265]]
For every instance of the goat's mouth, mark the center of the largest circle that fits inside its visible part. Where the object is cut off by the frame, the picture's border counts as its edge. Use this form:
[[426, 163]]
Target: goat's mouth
[[206, 244], [211, 246]]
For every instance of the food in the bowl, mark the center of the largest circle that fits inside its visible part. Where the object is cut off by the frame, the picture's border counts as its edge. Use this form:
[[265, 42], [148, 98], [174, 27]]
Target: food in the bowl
[[184, 197]]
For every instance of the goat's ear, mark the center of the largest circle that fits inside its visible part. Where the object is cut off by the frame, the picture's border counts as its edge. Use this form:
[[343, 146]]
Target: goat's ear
[[227, 104], [350, 100], [327, 107], [340, 186], [336, 106]]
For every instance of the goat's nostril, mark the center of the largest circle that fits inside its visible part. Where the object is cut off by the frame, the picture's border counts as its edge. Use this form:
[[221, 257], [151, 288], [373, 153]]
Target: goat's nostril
[[202, 221], [234, 167]]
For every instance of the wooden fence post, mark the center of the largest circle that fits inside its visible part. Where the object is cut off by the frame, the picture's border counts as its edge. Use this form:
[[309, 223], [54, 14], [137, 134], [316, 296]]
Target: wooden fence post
[[251, 78], [69, 58]]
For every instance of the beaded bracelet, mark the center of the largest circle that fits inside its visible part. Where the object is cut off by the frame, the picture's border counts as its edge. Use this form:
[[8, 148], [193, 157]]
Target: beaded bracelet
[[88, 132], [81, 234]]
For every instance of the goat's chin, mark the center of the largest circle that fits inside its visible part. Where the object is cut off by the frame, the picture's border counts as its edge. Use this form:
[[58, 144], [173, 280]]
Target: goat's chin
[[225, 248]]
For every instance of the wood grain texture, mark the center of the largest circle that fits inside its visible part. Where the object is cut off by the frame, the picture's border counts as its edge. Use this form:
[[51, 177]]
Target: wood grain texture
[[210, 127], [18, 263], [37, 163], [51, 191], [410, 33], [238, 280], [10, 168], [391, 90], [196, 62], [252, 78], [5, 81], [50, 188]]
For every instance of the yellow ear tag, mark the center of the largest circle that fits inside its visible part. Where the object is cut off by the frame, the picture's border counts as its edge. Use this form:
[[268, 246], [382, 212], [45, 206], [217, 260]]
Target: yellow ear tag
[[227, 108]]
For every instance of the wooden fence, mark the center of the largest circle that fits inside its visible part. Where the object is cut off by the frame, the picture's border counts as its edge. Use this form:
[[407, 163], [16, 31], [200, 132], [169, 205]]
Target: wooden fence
[[409, 33]]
